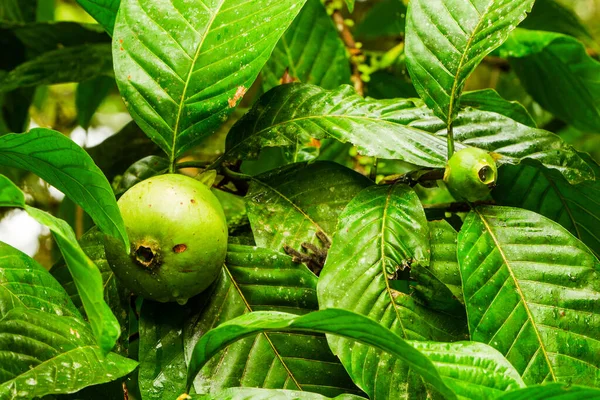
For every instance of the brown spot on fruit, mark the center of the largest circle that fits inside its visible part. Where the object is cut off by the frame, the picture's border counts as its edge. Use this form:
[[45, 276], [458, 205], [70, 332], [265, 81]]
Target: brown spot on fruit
[[193, 201], [239, 93], [179, 248], [120, 40]]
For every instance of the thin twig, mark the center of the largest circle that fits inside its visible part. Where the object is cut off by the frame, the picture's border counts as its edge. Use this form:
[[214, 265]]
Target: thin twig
[[356, 54]]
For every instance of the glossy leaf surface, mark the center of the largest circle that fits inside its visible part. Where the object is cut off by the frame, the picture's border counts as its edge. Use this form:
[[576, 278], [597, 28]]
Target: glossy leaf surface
[[256, 279], [540, 58], [292, 116], [182, 67], [381, 232], [66, 166], [311, 50], [447, 39], [531, 291], [43, 354], [288, 206]]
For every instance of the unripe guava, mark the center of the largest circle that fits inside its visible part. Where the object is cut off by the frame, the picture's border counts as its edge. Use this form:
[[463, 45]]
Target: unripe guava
[[178, 236], [471, 174]]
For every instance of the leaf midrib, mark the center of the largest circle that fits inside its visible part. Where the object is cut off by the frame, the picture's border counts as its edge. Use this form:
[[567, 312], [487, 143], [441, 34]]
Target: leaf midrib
[[187, 82], [488, 228]]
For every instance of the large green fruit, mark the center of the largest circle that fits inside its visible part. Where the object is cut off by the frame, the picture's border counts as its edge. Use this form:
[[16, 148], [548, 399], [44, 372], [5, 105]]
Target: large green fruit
[[471, 174], [178, 236]]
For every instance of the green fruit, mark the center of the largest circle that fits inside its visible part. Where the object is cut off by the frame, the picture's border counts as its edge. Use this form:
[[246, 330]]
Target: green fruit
[[471, 174], [178, 236]]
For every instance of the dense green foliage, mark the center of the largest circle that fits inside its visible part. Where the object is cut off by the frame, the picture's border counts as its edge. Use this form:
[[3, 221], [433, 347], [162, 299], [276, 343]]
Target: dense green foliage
[[329, 200]]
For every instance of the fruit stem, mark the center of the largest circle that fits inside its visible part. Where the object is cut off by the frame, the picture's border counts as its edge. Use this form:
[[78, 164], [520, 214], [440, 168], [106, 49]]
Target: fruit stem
[[450, 139], [192, 164]]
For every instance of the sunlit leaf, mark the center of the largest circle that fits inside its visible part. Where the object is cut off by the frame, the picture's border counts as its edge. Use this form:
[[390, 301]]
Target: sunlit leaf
[[447, 39], [183, 67], [531, 291]]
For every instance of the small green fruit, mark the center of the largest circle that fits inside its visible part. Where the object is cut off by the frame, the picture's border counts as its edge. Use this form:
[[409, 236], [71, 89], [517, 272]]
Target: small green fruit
[[178, 236], [471, 174]]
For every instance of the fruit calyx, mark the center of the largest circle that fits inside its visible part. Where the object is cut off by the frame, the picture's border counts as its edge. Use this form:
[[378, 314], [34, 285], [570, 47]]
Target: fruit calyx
[[146, 254]]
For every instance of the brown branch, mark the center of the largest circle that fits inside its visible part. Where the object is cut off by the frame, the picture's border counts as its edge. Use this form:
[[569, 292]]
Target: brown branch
[[356, 54]]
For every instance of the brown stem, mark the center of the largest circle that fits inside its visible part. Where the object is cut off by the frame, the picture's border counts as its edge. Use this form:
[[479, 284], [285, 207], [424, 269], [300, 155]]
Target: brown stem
[[355, 53]]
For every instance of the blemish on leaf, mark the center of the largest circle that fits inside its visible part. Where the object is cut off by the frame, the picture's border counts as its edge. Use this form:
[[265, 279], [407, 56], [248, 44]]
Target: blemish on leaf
[[239, 93], [179, 248], [314, 143]]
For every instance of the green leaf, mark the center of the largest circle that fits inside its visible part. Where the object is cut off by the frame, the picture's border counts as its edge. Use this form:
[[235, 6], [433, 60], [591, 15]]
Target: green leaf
[[291, 116], [382, 231], [103, 11], [43, 354], [63, 164], [89, 96], [550, 15], [24, 283], [87, 278], [10, 195], [85, 274], [311, 50], [41, 37], [161, 353], [385, 18], [115, 295], [531, 291], [69, 64], [288, 206], [334, 321], [554, 391], [438, 284], [490, 100], [182, 68], [447, 39], [121, 150], [256, 279], [559, 74], [273, 394], [575, 207], [141, 170]]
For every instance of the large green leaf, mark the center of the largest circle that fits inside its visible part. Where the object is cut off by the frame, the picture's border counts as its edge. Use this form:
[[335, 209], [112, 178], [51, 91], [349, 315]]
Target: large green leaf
[[115, 295], [334, 321], [576, 207], [162, 364], [311, 50], [531, 291], [87, 278], [447, 39], [103, 11], [559, 74], [273, 394], [69, 64], [25, 283], [182, 67], [291, 116], [66, 166], [256, 279], [440, 364], [43, 354], [85, 274], [551, 15], [554, 391], [382, 231], [288, 206]]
